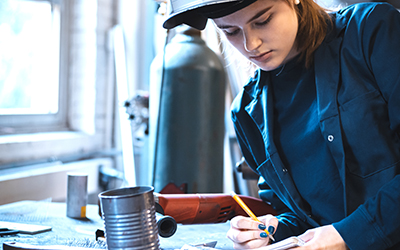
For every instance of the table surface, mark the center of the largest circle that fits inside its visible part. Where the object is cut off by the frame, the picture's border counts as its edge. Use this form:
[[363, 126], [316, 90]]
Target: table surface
[[81, 232]]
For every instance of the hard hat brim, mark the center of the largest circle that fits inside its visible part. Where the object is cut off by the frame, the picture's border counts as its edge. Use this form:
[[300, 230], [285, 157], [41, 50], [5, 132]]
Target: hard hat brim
[[195, 13], [191, 18]]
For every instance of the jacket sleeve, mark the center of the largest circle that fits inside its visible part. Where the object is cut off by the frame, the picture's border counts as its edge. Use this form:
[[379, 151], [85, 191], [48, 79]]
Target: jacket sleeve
[[376, 223], [289, 223], [381, 46]]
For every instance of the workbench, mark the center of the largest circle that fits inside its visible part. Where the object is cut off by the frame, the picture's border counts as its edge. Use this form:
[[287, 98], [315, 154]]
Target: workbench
[[82, 232]]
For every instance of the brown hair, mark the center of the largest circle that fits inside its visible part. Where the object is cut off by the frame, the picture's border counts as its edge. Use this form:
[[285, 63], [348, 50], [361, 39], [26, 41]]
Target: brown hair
[[312, 28]]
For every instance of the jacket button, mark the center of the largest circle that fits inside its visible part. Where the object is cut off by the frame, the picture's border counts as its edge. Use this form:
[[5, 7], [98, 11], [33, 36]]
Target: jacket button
[[330, 138], [284, 170]]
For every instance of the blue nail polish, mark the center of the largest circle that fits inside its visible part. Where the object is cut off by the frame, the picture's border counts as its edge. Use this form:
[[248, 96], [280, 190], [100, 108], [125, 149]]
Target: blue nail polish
[[263, 235], [271, 229], [262, 226]]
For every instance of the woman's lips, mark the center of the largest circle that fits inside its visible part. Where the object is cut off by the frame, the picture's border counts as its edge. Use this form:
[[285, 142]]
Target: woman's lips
[[261, 57]]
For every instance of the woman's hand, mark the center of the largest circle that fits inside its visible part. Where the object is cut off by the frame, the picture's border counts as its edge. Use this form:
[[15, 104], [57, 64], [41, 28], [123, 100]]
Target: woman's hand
[[247, 233], [325, 237]]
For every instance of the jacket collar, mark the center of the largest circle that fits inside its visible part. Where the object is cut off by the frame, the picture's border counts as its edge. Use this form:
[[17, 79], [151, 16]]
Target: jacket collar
[[263, 117]]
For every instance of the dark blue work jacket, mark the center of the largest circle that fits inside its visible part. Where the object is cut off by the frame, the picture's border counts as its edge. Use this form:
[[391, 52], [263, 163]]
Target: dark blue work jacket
[[357, 77]]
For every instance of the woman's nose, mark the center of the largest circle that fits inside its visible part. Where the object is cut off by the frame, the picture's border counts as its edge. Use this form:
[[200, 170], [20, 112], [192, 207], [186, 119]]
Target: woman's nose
[[251, 41]]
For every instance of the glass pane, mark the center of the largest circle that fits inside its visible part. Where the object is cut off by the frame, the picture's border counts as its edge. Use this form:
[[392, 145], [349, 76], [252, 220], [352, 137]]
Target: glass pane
[[29, 57]]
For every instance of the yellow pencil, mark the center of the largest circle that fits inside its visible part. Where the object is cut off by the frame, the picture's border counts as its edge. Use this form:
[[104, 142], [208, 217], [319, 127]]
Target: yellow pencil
[[249, 212]]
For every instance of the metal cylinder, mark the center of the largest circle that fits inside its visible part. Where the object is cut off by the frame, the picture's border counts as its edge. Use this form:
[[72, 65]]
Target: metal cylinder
[[129, 218], [77, 195], [187, 102]]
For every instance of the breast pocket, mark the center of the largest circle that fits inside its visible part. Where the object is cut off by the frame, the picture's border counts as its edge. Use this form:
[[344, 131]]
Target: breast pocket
[[369, 143]]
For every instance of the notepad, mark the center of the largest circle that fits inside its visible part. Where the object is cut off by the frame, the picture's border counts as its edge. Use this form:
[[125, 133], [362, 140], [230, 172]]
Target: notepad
[[284, 244]]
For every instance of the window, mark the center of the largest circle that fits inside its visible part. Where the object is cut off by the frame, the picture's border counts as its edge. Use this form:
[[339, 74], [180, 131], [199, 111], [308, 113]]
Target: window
[[29, 66], [71, 116]]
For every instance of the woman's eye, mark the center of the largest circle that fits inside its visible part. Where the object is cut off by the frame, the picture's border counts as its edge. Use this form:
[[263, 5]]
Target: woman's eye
[[231, 33], [265, 22]]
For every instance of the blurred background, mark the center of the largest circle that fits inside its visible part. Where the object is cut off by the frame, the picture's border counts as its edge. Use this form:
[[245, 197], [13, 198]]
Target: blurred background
[[93, 86]]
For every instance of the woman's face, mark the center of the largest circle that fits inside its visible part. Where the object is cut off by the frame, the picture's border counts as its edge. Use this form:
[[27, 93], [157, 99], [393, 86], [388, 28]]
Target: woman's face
[[264, 32]]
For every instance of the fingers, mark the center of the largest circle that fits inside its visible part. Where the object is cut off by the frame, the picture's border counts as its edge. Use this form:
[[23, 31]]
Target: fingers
[[271, 222], [242, 236], [324, 237], [242, 223], [247, 233], [307, 236]]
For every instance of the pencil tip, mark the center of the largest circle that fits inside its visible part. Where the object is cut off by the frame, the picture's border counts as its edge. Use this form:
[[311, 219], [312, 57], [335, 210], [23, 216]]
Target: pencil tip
[[271, 237]]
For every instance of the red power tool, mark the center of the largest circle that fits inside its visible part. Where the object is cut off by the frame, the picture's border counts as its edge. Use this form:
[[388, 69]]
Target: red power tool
[[207, 208]]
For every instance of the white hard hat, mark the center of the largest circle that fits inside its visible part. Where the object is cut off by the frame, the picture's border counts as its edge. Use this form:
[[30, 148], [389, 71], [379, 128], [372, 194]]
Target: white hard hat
[[196, 12]]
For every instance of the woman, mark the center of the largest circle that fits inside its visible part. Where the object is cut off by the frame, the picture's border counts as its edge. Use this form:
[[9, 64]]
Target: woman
[[320, 119]]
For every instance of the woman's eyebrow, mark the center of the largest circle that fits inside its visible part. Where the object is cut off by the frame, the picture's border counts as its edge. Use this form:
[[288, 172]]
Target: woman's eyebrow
[[260, 13]]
